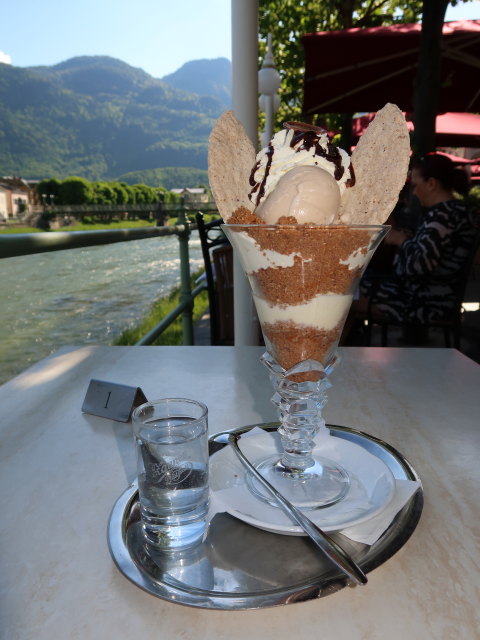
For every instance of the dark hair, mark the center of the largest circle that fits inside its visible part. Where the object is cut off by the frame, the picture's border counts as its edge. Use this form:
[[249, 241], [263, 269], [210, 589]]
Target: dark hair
[[440, 167]]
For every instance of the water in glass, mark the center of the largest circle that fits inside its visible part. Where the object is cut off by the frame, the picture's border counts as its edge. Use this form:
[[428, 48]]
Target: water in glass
[[172, 463]]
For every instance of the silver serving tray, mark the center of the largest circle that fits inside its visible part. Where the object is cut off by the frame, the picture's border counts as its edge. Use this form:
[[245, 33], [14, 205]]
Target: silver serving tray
[[242, 567]]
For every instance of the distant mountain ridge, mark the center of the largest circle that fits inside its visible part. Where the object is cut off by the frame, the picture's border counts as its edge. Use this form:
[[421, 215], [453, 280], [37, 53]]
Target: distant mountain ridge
[[205, 77], [100, 118]]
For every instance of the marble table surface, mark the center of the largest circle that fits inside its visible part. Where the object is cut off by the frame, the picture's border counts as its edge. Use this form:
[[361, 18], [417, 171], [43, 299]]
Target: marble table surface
[[61, 471]]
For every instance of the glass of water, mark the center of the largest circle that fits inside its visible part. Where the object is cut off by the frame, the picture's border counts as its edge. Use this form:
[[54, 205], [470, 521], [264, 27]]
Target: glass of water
[[171, 438]]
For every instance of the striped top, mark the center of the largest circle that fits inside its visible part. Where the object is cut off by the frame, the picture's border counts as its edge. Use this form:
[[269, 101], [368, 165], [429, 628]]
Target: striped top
[[441, 245], [427, 267]]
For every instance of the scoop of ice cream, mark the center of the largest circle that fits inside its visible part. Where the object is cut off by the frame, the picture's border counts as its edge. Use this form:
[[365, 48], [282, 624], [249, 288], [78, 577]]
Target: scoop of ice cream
[[297, 145], [310, 194]]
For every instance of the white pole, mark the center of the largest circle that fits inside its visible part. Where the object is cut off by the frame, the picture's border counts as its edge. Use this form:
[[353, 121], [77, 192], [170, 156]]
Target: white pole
[[268, 119], [245, 105], [269, 81], [268, 99]]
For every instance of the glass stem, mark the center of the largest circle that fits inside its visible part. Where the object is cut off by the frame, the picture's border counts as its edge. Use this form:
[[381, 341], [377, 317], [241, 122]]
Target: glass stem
[[300, 412]]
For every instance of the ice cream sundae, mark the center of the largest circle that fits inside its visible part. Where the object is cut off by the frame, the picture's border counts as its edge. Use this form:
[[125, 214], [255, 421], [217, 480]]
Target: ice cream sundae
[[303, 225], [304, 219]]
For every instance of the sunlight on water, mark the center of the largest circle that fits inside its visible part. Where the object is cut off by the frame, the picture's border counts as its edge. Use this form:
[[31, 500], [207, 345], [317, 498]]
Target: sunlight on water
[[82, 296]]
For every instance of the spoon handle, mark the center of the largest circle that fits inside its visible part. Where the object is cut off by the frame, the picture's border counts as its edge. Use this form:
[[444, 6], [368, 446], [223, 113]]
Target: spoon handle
[[331, 549]]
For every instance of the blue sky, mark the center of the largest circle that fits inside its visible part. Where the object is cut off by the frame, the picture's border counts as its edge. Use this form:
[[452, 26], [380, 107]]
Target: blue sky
[[155, 35]]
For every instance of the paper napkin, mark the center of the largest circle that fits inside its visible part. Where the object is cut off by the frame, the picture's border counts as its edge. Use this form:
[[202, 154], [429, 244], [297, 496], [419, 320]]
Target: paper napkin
[[374, 498]]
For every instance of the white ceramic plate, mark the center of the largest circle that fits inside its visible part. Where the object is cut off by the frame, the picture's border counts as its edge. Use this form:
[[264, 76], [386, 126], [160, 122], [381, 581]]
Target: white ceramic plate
[[372, 486]]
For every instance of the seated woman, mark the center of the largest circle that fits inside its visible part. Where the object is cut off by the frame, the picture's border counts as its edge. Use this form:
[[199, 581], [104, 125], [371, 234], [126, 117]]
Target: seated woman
[[428, 265]]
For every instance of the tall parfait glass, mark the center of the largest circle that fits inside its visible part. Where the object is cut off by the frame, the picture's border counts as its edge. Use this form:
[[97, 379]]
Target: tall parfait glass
[[303, 278]]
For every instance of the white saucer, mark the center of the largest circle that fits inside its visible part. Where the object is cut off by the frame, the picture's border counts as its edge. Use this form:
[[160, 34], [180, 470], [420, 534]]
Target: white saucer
[[372, 485]]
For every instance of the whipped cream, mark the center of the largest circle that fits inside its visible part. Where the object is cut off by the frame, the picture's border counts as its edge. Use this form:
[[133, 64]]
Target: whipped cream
[[292, 148], [324, 311], [254, 258], [357, 259]]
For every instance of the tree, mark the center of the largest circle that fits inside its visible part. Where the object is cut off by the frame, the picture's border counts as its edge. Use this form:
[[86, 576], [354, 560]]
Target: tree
[[49, 190], [103, 193], [145, 194], [428, 76], [121, 194], [172, 198], [76, 190], [289, 20], [130, 191]]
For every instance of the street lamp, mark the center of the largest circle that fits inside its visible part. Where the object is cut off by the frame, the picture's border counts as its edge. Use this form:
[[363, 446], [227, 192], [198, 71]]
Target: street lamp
[[268, 84]]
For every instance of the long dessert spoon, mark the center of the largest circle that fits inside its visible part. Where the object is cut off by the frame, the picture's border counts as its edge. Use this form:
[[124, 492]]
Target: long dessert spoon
[[329, 547]]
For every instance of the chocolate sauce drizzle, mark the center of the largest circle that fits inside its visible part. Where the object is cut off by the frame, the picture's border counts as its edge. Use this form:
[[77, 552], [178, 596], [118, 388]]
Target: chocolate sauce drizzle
[[305, 137], [259, 187], [351, 180], [305, 140]]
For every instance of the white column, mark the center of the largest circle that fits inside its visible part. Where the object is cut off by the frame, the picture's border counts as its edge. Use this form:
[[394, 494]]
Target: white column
[[245, 105], [269, 81], [268, 131]]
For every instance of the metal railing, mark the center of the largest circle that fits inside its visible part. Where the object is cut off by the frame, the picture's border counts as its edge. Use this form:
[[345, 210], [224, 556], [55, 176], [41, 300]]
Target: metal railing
[[21, 244]]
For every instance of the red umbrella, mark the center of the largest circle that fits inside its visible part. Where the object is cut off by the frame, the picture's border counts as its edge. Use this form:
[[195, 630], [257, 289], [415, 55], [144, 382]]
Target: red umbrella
[[458, 159], [458, 129], [452, 129], [361, 69]]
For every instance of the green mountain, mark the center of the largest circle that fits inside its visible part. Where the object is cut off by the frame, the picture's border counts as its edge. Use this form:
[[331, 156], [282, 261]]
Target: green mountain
[[205, 77], [99, 118]]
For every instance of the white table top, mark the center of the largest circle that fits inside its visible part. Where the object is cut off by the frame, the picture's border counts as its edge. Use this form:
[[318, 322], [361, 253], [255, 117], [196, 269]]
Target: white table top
[[62, 470]]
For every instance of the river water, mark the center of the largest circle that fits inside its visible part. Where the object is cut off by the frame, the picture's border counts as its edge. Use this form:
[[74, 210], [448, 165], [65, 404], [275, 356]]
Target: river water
[[82, 296]]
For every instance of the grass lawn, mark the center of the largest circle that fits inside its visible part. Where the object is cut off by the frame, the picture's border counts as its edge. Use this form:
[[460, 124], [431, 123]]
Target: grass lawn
[[96, 226], [159, 309], [83, 226]]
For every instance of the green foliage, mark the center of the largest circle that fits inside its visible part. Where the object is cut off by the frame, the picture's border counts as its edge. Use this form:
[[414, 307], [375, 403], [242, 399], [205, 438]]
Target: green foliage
[[289, 20], [173, 198], [98, 118], [473, 200], [4, 230], [168, 177], [130, 191], [209, 217], [86, 225], [49, 189], [121, 192], [76, 190], [97, 226], [144, 194], [103, 193], [173, 335], [214, 80]]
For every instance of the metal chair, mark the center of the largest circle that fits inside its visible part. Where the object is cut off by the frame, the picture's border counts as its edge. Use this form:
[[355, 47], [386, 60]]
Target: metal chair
[[218, 260], [222, 257]]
